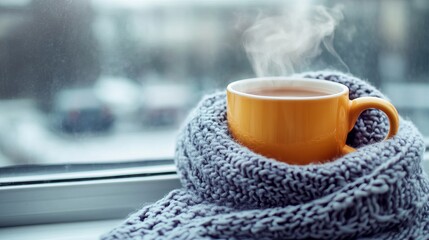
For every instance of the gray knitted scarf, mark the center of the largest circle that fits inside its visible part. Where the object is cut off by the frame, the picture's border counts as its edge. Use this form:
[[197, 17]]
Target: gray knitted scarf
[[230, 192]]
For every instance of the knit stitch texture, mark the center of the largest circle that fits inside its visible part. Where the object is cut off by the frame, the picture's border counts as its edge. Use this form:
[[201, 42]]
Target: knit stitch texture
[[229, 192]]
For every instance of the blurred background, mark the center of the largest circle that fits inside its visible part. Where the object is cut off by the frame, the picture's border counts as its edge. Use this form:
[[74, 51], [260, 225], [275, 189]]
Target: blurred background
[[111, 80]]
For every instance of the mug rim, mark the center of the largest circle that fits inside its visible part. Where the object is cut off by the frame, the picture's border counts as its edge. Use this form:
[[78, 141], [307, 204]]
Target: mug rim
[[321, 83]]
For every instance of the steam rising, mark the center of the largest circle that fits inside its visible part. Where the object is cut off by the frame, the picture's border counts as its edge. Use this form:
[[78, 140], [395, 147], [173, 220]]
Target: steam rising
[[279, 46]]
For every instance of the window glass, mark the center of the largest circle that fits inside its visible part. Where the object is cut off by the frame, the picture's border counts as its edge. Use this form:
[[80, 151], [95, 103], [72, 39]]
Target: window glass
[[107, 81]]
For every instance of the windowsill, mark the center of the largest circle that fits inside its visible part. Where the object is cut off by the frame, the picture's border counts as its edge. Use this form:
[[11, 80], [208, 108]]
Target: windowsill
[[43, 206], [60, 231]]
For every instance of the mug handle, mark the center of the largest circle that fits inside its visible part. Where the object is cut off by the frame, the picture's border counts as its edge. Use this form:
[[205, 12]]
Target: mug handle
[[358, 105]]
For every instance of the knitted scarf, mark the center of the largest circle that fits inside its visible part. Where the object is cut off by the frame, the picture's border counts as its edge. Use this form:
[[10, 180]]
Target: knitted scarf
[[229, 192]]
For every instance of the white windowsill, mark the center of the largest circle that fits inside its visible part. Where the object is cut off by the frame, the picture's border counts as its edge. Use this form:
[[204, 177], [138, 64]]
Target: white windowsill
[[60, 231]]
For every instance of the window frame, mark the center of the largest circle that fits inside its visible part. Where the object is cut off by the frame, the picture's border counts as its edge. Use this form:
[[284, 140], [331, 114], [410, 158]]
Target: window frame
[[95, 195]]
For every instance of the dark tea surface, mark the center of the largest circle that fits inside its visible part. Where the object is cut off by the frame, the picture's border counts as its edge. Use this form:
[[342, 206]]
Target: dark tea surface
[[287, 92]]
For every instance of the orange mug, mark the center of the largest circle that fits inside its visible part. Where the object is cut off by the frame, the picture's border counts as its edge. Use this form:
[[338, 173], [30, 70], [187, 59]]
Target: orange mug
[[297, 128]]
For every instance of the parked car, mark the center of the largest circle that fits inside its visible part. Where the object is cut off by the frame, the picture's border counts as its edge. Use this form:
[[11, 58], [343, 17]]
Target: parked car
[[80, 110]]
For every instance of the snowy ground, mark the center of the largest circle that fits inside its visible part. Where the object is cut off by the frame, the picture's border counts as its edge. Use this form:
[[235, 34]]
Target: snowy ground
[[25, 137]]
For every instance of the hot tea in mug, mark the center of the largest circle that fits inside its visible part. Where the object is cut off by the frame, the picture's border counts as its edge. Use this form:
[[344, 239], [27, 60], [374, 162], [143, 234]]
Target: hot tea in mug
[[297, 121]]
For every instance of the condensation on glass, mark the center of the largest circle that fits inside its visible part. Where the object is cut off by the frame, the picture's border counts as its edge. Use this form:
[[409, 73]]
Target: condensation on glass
[[112, 80]]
